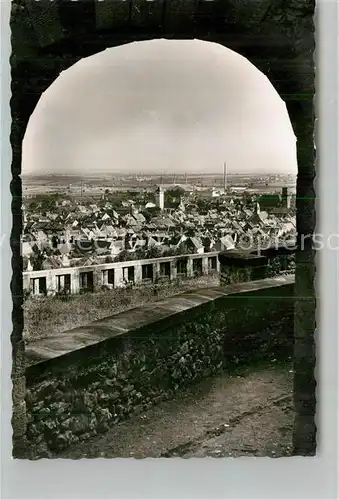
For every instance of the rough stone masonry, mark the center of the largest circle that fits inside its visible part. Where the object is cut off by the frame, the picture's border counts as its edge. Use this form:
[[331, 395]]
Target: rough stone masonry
[[186, 338]]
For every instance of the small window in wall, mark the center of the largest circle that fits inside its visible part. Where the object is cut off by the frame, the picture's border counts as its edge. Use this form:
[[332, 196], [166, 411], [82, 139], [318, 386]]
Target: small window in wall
[[197, 267], [64, 283], [110, 276], [42, 286], [212, 264], [147, 272], [86, 281], [38, 286], [165, 269], [182, 267], [128, 274]]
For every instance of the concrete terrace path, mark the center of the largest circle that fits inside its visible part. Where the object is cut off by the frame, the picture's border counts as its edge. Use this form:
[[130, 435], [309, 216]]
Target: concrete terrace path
[[244, 414]]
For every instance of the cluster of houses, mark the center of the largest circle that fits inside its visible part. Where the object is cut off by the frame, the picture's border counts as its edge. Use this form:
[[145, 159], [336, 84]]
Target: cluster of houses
[[80, 233]]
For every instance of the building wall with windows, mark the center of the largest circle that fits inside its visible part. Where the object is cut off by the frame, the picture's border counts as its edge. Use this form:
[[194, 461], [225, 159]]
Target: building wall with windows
[[119, 274]]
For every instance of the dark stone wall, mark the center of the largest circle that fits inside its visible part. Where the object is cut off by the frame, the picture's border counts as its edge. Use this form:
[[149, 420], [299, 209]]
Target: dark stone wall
[[78, 395], [241, 269], [232, 274]]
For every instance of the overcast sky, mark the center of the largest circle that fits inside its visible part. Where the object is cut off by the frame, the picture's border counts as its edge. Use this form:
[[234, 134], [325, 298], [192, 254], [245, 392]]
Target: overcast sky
[[160, 106]]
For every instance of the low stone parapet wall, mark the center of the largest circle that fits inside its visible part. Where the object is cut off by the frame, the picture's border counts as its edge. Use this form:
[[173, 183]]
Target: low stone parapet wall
[[81, 382], [116, 274]]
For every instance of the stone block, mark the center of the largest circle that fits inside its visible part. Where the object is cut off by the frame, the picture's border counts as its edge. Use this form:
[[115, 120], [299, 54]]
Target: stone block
[[18, 389], [19, 420]]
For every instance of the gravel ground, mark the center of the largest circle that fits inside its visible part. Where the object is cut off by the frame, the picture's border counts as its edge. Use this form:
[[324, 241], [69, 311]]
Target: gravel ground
[[247, 413]]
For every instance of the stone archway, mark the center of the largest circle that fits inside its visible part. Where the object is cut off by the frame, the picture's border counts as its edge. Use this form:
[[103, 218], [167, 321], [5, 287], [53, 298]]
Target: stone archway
[[276, 36]]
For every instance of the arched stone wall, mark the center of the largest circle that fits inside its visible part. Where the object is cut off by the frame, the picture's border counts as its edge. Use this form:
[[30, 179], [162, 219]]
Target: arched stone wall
[[277, 36]]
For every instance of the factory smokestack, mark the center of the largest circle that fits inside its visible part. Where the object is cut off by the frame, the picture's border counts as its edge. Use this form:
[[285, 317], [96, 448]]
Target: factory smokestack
[[225, 176]]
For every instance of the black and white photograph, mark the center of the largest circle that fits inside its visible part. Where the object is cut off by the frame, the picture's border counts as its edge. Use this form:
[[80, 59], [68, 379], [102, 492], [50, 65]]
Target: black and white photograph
[[163, 219]]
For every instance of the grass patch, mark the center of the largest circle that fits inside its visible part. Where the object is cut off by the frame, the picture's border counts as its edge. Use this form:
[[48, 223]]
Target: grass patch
[[45, 316]]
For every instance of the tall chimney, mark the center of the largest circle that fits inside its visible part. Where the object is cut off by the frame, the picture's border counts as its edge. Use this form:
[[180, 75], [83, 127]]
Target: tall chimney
[[225, 176]]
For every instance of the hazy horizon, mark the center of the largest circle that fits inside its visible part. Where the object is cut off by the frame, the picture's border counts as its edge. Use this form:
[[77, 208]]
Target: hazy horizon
[[155, 174], [159, 106]]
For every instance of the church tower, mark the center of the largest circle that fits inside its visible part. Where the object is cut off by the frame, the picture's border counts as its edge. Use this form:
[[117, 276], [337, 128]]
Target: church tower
[[160, 197]]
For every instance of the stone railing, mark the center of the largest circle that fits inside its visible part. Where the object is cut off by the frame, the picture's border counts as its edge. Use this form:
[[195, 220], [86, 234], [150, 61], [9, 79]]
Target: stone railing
[[119, 274], [234, 267], [83, 381]]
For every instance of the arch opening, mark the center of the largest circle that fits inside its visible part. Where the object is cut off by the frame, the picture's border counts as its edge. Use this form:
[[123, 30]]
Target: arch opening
[[294, 84], [160, 106]]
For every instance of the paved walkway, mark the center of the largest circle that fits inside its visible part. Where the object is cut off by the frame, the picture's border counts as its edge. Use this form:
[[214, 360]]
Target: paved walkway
[[244, 414]]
